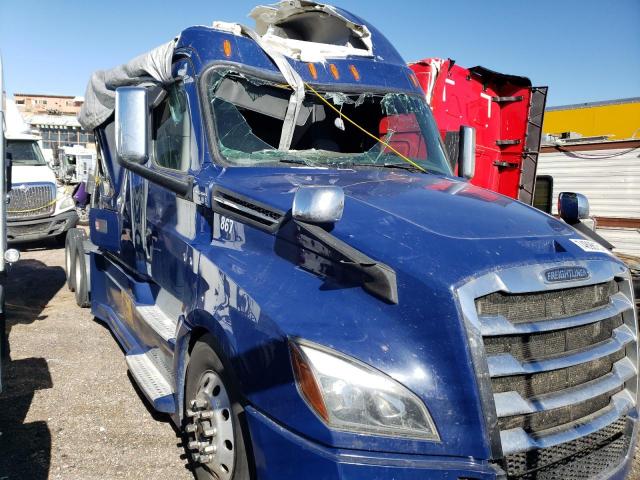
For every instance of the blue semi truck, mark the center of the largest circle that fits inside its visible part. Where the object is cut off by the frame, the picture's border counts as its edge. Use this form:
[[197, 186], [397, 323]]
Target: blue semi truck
[[296, 277]]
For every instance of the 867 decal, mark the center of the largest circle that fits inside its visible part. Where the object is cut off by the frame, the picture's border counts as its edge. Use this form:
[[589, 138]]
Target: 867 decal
[[226, 225]]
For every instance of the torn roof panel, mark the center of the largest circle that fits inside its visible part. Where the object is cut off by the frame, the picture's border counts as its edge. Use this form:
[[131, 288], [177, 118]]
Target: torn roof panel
[[310, 31]]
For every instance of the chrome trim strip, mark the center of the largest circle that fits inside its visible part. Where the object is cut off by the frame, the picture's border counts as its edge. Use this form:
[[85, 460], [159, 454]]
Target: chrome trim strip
[[531, 279], [512, 403], [517, 440], [504, 365], [232, 204], [493, 325]]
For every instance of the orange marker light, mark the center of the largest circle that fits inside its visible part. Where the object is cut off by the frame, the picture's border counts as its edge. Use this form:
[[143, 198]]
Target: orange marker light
[[355, 73], [307, 383], [313, 71], [226, 47], [334, 71]]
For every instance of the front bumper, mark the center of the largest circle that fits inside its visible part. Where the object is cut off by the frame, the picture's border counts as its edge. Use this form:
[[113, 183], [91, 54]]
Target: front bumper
[[281, 455], [40, 228]]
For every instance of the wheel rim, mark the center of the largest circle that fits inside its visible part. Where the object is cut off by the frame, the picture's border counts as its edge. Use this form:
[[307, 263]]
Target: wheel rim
[[211, 429]]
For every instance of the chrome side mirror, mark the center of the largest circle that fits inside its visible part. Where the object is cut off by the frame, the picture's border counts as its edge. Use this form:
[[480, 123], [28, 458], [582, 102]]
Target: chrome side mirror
[[573, 207], [132, 117], [467, 152], [318, 204]]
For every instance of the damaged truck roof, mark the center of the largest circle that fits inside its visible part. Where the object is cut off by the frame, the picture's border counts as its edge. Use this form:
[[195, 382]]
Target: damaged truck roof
[[302, 41]]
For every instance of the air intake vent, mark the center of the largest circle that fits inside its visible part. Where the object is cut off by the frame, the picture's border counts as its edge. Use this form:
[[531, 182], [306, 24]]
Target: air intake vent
[[246, 209]]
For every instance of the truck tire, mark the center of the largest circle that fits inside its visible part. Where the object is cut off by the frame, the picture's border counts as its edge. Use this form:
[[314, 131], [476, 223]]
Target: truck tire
[[70, 258], [208, 388], [80, 276]]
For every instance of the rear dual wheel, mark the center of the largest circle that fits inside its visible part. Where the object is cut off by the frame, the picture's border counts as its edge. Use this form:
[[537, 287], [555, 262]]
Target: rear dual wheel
[[70, 258], [213, 432], [75, 266], [81, 282]]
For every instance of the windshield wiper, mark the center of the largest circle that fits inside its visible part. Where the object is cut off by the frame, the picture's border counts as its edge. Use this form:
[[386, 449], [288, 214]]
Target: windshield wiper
[[401, 166], [291, 160], [296, 161]]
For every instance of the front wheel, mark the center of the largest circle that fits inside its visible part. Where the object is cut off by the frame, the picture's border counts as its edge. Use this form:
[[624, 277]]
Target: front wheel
[[212, 429]]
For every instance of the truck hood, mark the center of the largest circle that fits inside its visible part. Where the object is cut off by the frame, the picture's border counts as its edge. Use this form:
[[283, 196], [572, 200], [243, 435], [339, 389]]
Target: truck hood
[[439, 205], [32, 174], [436, 233]]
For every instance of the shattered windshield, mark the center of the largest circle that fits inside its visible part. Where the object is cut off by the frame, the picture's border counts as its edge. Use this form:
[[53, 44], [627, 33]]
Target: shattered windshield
[[332, 129]]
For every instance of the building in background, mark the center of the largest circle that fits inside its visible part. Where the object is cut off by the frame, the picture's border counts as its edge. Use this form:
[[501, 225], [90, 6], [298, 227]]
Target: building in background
[[54, 118], [34, 103], [594, 149], [59, 131]]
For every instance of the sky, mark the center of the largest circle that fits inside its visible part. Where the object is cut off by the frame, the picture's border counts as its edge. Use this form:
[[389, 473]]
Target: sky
[[584, 51]]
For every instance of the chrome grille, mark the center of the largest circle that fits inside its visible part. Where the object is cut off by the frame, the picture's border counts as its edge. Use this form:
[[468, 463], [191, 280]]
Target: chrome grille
[[579, 459], [533, 307], [560, 369], [31, 200]]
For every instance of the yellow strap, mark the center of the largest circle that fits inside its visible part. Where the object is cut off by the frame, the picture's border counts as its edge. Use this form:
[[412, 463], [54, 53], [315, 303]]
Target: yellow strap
[[342, 115], [34, 209]]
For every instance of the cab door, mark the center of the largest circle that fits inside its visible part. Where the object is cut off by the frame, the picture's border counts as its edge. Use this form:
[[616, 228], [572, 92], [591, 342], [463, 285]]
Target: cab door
[[165, 226]]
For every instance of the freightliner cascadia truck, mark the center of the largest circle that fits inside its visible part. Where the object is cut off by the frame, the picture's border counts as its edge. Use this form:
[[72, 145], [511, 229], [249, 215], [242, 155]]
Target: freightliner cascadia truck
[[279, 244]]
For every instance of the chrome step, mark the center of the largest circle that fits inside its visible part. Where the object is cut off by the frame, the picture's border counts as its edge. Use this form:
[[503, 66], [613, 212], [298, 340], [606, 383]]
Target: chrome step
[[161, 323], [154, 377]]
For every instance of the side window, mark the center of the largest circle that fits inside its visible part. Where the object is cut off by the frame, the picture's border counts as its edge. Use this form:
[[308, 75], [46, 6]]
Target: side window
[[543, 195], [173, 142]]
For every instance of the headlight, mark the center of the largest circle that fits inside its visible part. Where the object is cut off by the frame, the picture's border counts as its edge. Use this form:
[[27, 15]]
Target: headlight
[[67, 202], [349, 395]]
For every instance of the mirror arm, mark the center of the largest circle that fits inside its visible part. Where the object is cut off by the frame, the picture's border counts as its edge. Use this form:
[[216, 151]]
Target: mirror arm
[[582, 228], [181, 187], [379, 278]]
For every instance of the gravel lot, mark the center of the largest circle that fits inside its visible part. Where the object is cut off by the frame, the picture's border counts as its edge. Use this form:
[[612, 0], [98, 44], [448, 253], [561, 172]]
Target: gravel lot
[[69, 409]]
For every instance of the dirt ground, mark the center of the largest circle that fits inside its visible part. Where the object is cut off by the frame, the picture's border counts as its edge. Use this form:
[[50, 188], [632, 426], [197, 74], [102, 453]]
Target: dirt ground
[[69, 410]]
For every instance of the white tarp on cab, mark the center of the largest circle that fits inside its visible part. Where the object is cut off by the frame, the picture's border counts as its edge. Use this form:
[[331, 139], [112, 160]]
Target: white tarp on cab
[[153, 67]]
